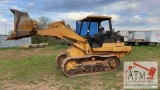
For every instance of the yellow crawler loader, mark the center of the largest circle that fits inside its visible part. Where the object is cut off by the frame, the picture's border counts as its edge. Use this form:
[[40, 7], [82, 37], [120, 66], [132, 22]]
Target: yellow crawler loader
[[92, 49]]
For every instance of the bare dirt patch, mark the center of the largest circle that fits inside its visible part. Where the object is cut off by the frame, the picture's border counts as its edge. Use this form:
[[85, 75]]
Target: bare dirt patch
[[96, 84]]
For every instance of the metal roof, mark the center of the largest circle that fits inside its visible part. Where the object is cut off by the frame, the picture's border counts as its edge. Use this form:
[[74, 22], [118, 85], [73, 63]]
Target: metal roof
[[96, 18]]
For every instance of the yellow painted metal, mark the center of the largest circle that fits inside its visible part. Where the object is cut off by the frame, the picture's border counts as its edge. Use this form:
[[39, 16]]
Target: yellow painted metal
[[88, 48], [96, 17], [113, 47], [57, 24], [117, 54], [79, 46], [61, 32], [73, 51], [71, 65], [93, 59]]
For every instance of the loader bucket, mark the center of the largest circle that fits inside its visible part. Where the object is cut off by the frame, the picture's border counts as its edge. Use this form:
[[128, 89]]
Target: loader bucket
[[23, 25]]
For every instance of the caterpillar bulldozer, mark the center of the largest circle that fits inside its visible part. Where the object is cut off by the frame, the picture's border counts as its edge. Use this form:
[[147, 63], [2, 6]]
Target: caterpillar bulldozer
[[92, 50]]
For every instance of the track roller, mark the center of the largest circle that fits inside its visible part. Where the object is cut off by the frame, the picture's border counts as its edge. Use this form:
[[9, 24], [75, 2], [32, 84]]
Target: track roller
[[85, 65]]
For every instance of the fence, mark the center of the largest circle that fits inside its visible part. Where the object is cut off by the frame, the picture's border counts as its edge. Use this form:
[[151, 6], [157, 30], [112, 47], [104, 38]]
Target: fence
[[13, 43]]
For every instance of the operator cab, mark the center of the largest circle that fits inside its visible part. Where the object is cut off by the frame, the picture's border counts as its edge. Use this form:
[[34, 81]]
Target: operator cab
[[92, 28]]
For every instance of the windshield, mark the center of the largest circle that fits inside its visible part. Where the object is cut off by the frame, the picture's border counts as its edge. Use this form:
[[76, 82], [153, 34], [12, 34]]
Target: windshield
[[81, 28]]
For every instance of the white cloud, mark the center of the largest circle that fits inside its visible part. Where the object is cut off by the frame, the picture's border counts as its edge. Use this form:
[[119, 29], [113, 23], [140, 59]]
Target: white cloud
[[16, 7], [152, 20], [132, 5], [3, 20], [80, 15], [119, 6], [75, 15], [115, 17], [30, 4], [136, 18]]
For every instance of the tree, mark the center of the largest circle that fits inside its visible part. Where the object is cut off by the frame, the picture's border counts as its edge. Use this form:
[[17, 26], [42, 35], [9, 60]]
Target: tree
[[69, 26], [43, 22]]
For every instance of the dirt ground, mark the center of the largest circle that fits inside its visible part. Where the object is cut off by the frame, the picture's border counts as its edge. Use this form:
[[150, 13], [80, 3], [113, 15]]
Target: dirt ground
[[17, 54]]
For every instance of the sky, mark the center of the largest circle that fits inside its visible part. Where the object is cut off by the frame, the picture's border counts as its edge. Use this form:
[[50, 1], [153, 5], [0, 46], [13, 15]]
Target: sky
[[126, 14]]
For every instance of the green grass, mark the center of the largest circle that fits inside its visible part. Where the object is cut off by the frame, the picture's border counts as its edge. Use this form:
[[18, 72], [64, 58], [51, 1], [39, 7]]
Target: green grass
[[37, 69], [10, 48], [56, 47], [27, 68]]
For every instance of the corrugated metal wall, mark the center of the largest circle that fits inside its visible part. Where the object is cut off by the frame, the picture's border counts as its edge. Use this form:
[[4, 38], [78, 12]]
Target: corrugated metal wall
[[13, 43]]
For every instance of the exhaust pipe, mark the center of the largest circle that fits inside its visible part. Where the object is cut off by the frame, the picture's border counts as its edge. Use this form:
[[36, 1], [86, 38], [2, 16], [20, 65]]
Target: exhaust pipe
[[23, 25]]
